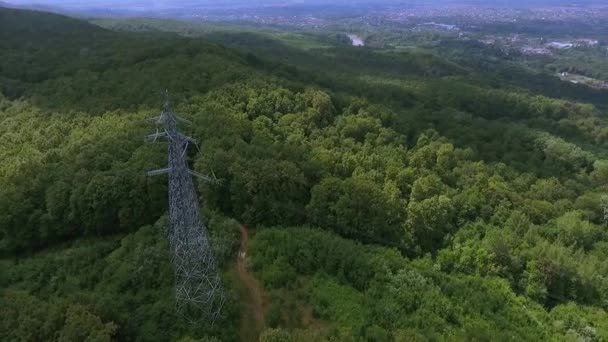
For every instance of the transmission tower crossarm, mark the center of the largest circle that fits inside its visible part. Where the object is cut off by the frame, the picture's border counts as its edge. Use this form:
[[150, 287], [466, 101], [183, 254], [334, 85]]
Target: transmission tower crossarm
[[155, 136], [189, 139], [157, 119], [203, 177], [179, 118], [158, 172]]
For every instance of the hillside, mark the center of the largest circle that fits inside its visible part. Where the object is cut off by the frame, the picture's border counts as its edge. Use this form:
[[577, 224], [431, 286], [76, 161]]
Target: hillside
[[390, 195]]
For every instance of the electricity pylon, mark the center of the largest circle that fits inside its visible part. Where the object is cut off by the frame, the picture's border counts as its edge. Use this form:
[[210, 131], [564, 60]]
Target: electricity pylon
[[198, 288]]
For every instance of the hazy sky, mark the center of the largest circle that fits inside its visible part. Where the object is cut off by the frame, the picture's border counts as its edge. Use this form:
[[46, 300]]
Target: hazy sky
[[184, 3]]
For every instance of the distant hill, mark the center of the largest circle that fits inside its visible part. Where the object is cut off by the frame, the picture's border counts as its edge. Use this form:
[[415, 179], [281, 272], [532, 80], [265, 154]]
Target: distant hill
[[168, 9], [39, 49], [35, 7], [19, 20]]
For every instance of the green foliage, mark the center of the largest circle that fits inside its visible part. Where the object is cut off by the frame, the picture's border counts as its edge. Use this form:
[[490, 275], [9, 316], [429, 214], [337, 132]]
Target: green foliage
[[80, 176], [126, 281], [76, 318], [26, 318], [337, 303], [429, 222], [276, 335], [579, 323], [403, 299], [356, 208], [412, 197]]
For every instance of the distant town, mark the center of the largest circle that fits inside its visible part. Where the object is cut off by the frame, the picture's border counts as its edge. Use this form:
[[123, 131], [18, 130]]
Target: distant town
[[532, 32]]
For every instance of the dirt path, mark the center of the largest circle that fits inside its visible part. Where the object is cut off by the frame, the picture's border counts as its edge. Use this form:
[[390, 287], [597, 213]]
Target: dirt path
[[253, 315]]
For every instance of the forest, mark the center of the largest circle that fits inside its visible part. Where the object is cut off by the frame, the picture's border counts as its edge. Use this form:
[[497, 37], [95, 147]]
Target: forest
[[390, 195]]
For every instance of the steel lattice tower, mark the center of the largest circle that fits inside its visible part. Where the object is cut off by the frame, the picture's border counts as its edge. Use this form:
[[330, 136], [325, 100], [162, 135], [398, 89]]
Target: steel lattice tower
[[198, 288]]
